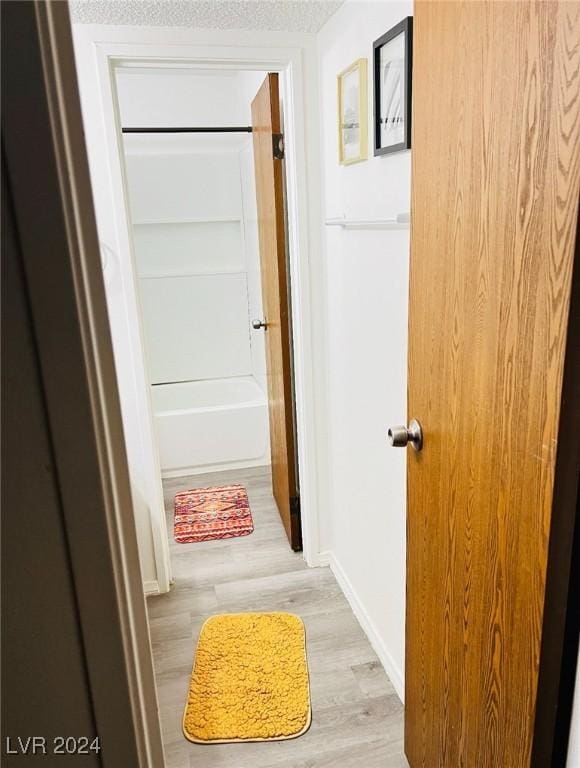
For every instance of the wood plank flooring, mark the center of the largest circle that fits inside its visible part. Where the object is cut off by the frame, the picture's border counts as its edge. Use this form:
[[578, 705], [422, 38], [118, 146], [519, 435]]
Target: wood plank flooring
[[357, 719]]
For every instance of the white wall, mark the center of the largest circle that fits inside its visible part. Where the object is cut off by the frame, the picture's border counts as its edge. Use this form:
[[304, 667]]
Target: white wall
[[173, 96], [247, 86], [363, 528]]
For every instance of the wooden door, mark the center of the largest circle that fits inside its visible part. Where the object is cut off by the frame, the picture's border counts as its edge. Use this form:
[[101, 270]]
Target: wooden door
[[270, 199], [496, 176]]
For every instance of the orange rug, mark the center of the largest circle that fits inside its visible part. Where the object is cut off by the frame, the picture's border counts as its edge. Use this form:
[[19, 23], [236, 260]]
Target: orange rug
[[249, 680], [203, 514]]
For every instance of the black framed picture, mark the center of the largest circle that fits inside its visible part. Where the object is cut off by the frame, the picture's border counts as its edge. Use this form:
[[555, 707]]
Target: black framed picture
[[392, 64]]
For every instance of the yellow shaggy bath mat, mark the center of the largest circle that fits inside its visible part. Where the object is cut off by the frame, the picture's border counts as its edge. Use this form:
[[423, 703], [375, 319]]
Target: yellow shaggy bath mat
[[249, 680]]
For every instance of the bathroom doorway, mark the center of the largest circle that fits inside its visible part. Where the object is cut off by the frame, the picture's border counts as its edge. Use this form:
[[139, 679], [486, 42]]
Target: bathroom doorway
[[105, 69], [204, 169]]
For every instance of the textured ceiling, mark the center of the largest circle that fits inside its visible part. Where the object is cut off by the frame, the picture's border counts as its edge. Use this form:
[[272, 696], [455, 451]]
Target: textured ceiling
[[274, 15]]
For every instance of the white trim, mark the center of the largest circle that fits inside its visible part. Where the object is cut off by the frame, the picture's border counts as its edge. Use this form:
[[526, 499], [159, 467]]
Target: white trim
[[151, 588], [136, 47], [324, 559], [395, 674], [112, 120], [104, 144]]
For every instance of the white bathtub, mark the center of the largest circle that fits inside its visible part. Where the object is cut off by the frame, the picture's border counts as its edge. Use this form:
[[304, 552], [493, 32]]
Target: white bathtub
[[211, 425]]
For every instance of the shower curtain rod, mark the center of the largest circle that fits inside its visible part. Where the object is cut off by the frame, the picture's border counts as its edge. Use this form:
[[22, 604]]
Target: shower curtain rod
[[197, 129]]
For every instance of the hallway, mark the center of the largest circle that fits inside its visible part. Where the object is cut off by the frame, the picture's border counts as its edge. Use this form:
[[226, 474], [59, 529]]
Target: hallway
[[357, 719]]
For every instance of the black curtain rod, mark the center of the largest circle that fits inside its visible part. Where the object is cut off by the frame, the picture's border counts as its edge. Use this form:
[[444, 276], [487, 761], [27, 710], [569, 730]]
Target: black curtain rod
[[197, 129]]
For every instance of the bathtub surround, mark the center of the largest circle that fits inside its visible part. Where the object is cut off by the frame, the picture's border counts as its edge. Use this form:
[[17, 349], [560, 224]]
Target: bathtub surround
[[204, 426], [193, 212]]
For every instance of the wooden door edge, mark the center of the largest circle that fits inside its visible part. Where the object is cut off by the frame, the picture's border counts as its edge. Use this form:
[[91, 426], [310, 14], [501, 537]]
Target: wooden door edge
[[274, 271], [295, 524]]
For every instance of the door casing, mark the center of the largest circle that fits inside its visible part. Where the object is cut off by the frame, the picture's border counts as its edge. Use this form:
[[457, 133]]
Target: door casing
[[44, 150], [99, 51]]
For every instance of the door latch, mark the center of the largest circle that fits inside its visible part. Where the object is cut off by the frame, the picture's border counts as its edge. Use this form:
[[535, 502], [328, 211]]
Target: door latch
[[399, 437], [278, 146]]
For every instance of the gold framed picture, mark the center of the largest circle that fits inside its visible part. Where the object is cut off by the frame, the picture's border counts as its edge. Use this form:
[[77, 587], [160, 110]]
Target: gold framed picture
[[353, 113]]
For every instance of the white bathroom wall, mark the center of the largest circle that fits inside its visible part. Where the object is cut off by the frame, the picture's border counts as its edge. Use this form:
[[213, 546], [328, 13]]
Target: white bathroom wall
[[247, 86], [363, 529], [171, 96]]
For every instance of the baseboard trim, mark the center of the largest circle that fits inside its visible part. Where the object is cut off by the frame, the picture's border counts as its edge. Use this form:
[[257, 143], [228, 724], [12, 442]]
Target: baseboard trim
[[151, 588], [324, 559], [394, 673]]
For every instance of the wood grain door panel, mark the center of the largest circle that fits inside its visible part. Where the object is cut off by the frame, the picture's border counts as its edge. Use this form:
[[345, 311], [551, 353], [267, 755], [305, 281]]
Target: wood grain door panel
[[270, 201], [496, 179]]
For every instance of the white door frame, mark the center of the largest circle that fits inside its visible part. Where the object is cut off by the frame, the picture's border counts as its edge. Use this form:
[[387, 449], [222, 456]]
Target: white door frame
[[100, 50]]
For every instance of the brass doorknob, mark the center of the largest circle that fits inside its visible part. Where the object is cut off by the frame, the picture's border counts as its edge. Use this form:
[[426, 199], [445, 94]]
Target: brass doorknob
[[399, 437]]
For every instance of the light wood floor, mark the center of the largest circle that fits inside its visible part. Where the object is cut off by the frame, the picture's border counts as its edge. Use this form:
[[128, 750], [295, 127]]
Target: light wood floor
[[357, 718]]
